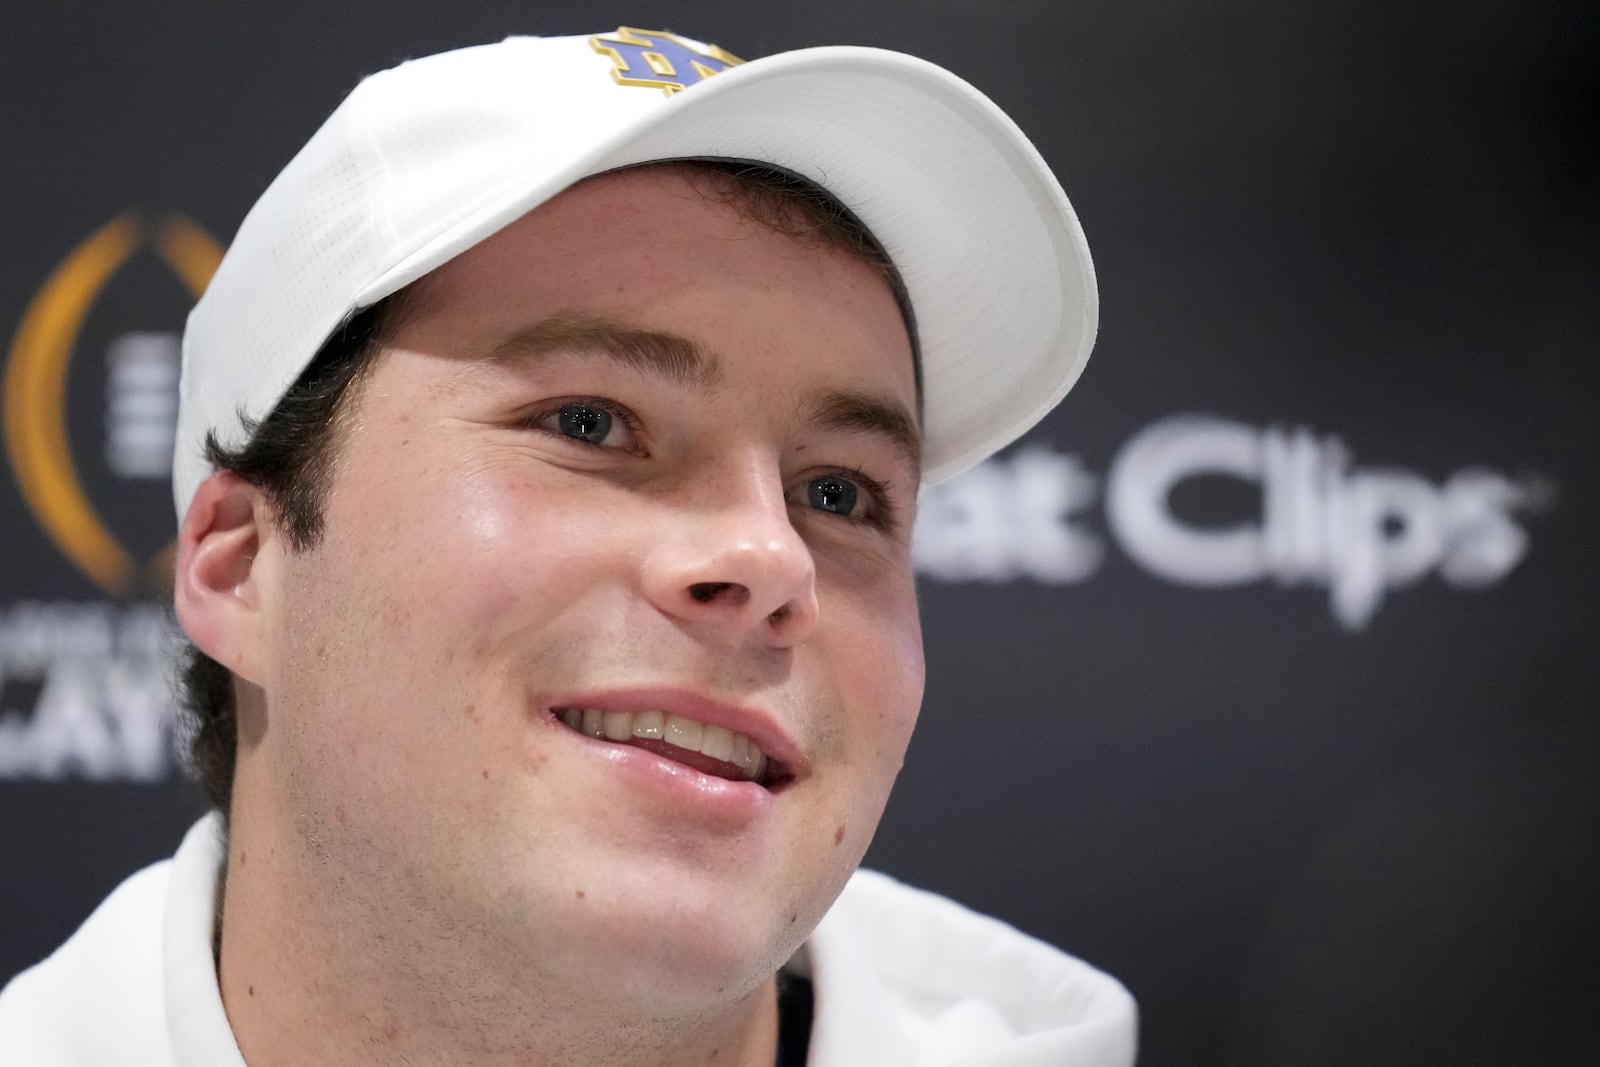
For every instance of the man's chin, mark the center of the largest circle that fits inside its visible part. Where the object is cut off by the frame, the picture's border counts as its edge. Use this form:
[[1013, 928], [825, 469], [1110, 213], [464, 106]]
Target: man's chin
[[679, 972], [676, 938]]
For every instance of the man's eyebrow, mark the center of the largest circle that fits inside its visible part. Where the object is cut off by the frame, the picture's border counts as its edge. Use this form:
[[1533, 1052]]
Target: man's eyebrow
[[681, 361], [667, 355], [865, 413]]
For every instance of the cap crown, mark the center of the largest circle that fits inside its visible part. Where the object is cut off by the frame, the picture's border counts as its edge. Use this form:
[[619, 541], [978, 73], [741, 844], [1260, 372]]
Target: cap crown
[[425, 160]]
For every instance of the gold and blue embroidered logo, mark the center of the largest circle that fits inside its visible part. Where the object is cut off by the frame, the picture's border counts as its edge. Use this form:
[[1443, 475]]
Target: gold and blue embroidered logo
[[660, 60]]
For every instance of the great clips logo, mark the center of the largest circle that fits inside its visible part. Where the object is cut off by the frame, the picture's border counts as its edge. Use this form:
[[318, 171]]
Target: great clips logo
[[1310, 517]]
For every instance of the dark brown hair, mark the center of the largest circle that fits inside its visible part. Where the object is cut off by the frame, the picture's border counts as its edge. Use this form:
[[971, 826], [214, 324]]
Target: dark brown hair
[[289, 456], [291, 452]]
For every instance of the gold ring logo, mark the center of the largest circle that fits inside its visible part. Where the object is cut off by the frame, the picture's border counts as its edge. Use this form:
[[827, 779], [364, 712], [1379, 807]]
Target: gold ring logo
[[36, 385]]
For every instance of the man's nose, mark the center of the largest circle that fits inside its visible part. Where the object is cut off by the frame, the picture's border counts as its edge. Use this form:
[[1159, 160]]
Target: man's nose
[[731, 559]]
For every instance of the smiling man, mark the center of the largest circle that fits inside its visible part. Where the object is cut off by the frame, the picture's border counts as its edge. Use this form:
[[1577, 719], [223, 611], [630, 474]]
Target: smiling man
[[550, 443]]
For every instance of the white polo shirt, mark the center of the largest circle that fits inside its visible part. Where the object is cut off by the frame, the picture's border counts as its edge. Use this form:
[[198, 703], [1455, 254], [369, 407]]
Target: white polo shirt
[[902, 978]]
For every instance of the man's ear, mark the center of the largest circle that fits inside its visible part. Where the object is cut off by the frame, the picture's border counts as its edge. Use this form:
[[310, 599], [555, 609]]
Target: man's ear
[[219, 584]]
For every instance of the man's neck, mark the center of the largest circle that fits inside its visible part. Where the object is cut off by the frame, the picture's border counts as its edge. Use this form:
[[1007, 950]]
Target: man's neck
[[303, 984]]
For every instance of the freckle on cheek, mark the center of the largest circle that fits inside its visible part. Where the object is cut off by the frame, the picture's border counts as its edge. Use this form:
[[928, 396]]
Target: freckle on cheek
[[486, 774], [838, 835], [581, 894]]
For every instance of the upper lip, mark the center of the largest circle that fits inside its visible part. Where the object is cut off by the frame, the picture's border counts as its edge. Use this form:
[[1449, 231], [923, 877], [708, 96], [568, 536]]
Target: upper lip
[[759, 725]]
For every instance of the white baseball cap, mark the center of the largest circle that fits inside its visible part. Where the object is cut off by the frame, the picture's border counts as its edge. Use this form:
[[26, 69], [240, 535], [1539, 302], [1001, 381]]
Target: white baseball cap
[[423, 161]]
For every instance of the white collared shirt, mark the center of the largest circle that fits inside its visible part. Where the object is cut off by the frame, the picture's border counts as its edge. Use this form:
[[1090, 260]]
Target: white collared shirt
[[902, 978]]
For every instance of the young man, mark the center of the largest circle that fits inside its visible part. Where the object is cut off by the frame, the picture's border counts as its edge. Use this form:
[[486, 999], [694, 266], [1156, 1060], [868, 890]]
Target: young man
[[550, 441]]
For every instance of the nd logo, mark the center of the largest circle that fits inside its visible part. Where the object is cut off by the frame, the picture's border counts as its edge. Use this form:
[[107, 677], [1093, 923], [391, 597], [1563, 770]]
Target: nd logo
[[656, 59], [35, 391]]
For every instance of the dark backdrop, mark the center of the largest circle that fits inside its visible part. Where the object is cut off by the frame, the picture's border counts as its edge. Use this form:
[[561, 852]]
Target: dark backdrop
[[1261, 675]]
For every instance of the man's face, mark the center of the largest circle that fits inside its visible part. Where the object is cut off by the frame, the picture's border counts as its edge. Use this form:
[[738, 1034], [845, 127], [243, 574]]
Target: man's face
[[633, 454]]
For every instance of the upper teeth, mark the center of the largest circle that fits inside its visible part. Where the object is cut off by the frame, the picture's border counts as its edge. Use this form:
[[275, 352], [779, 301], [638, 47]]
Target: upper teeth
[[715, 741]]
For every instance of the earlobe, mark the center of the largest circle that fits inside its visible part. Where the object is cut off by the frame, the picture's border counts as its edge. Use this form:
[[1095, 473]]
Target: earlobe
[[219, 580]]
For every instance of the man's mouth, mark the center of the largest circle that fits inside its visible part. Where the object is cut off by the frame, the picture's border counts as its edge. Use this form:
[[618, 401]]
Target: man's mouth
[[703, 746]]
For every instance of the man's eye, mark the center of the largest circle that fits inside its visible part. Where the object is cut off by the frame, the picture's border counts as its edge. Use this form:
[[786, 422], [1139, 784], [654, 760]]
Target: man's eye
[[591, 422], [832, 493], [584, 422], [850, 494]]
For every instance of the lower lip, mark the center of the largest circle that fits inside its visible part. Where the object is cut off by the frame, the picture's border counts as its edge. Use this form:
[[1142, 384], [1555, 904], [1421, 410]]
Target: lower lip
[[674, 782]]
